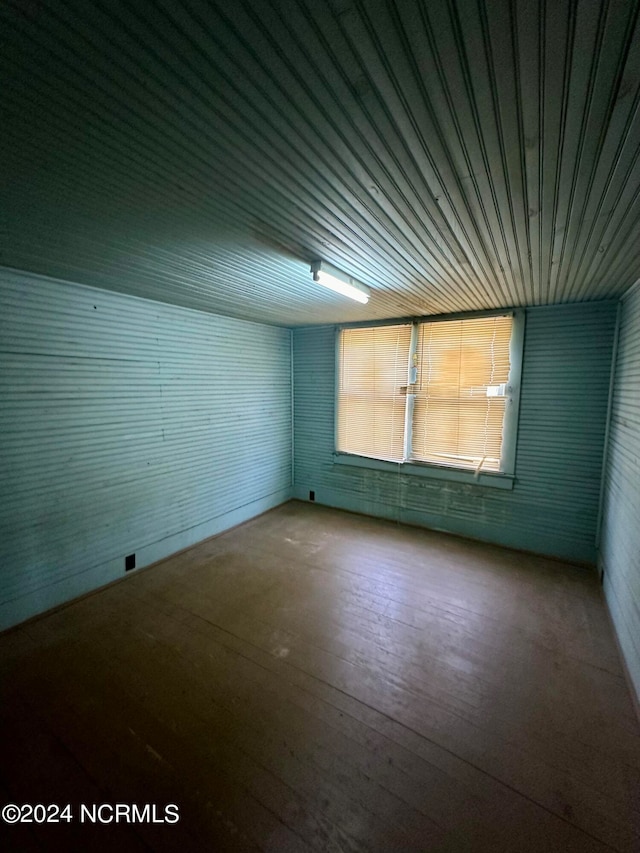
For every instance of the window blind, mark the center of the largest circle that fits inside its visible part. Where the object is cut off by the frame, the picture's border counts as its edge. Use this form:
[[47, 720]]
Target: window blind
[[373, 376], [463, 369]]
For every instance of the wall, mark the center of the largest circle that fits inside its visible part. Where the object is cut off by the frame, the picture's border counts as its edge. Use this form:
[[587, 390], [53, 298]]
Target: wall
[[620, 535], [127, 426], [553, 506]]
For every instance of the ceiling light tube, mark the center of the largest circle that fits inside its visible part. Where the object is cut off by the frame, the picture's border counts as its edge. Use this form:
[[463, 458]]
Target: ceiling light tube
[[340, 282]]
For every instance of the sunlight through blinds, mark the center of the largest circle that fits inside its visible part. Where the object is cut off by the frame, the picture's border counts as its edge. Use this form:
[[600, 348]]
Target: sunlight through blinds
[[460, 393], [373, 377]]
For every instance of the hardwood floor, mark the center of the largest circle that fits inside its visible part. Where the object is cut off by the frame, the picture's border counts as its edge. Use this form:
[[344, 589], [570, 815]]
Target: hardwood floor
[[315, 680]]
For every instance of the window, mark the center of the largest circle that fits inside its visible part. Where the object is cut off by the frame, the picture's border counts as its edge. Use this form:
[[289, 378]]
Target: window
[[440, 393], [372, 401]]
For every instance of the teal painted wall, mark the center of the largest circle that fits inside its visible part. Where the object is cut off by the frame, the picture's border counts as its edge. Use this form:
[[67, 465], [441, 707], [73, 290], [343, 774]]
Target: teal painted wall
[[127, 426], [620, 535], [553, 506]]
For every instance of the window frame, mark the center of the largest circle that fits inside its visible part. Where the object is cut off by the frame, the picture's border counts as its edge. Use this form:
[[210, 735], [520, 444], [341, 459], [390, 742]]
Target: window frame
[[503, 479]]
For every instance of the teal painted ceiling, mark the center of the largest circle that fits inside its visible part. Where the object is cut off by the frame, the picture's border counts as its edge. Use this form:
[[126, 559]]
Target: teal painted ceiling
[[452, 155]]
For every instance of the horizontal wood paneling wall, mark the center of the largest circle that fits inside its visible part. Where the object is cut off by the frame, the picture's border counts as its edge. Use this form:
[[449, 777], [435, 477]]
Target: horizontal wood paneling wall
[[620, 538], [553, 506], [127, 426]]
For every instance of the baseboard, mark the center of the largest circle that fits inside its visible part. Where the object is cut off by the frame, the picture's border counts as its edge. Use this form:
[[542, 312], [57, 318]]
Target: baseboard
[[477, 531], [52, 597], [634, 692]]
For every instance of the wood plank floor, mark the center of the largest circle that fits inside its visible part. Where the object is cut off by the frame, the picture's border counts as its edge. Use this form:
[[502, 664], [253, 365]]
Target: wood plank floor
[[315, 680]]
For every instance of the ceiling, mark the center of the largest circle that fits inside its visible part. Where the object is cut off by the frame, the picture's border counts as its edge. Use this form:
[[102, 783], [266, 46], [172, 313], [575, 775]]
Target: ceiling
[[453, 154]]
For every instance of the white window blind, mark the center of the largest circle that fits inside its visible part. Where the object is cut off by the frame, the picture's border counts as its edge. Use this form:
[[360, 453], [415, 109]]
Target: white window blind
[[373, 373], [460, 393], [432, 392]]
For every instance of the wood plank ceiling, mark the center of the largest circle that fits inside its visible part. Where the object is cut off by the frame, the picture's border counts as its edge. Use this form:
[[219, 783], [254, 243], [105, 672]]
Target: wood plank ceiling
[[453, 155]]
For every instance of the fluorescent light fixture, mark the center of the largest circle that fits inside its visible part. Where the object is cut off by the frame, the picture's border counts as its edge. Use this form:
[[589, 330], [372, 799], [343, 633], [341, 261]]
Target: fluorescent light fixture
[[335, 279]]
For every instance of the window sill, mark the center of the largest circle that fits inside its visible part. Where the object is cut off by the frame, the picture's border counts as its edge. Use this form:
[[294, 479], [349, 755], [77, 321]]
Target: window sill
[[421, 469]]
